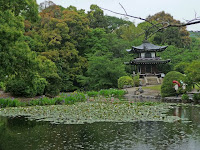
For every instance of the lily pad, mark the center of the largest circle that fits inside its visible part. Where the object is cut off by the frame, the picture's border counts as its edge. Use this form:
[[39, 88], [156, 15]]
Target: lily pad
[[85, 112]]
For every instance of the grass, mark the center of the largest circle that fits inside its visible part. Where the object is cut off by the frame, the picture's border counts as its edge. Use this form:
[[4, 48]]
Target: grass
[[155, 87], [63, 98], [107, 93], [112, 92]]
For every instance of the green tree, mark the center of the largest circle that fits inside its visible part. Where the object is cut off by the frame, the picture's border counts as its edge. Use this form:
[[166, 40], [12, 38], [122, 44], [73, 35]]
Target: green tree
[[172, 36], [96, 41], [78, 24], [103, 72], [118, 46], [57, 36], [26, 8], [167, 88], [193, 71], [96, 17], [114, 23], [129, 32]]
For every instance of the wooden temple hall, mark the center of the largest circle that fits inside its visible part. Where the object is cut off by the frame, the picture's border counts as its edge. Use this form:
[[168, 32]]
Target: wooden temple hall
[[147, 61]]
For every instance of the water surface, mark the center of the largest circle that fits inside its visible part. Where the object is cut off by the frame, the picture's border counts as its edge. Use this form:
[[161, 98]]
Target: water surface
[[20, 133]]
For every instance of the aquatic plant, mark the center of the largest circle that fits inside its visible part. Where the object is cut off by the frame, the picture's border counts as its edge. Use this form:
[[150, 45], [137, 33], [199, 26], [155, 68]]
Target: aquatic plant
[[80, 113], [92, 93], [112, 92], [9, 102]]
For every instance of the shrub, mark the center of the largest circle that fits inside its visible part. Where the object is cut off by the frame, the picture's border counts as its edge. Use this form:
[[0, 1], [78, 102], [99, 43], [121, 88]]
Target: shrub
[[27, 88], [70, 98], [112, 92], [167, 88], [2, 86], [42, 101], [185, 97], [124, 80], [9, 103], [39, 84], [53, 86], [92, 93], [136, 80], [196, 96]]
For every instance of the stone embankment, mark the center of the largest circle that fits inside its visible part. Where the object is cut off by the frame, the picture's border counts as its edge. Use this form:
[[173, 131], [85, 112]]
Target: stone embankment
[[154, 95]]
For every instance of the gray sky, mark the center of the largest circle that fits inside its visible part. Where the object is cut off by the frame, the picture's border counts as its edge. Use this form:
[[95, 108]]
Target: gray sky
[[180, 9]]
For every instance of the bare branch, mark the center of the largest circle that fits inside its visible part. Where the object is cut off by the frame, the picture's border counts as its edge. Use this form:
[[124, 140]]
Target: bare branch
[[165, 25], [123, 8], [195, 14], [127, 15], [174, 25]]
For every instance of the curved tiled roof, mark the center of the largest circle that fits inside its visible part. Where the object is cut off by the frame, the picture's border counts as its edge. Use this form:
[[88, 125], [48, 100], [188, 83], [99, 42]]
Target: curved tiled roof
[[146, 46]]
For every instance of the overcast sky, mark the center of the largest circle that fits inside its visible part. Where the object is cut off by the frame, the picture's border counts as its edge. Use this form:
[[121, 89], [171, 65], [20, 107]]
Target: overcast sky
[[180, 9]]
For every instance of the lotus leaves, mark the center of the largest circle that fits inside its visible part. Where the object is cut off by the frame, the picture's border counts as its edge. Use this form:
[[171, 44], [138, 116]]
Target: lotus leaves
[[87, 112]]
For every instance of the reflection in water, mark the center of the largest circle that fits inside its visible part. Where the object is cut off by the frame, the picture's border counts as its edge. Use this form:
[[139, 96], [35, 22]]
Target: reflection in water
[[22, 134]]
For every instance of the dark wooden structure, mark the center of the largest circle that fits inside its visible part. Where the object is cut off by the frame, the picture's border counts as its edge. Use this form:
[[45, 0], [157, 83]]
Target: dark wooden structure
[[147, 61]]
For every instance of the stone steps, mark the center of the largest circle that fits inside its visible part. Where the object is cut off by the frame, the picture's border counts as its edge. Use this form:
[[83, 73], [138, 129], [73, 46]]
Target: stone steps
[[152, 80]]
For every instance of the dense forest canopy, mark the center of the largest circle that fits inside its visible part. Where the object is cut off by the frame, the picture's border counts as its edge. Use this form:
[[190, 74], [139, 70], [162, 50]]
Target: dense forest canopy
[[48, 48]]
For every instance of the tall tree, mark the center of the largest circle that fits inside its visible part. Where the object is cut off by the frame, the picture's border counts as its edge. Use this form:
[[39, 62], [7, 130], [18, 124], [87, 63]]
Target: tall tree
[[176, 36], [96, 17], [61, 31], [26, 8], [114, 23], [103, 72]]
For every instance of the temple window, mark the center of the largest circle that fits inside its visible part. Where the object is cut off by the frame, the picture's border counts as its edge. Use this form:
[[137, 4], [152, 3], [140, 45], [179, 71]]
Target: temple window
[[148, 55]]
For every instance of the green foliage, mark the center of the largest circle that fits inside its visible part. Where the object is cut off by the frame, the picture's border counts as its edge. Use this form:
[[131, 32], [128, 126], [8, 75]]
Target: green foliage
[[118, 47], [26, 8], [179, 57], [42, 102], [103, 72], [112, 92], [63, 38], [26, 87], [136, 80], [9, 103], [193, 71], [63, 98], [129, 32], [2, 86], [70, 98], [125, 80], [196, 96], [114, 23], [96, 17], [185, 97], [53, 86], [39, 84], [180, 67], [96, 41], [178, 37], [92, 93], [58, 46], [167, 88]]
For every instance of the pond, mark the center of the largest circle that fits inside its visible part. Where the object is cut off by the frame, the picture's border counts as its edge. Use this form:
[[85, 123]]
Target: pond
[[19, 133]]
